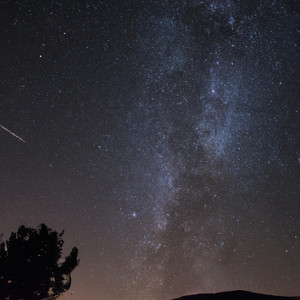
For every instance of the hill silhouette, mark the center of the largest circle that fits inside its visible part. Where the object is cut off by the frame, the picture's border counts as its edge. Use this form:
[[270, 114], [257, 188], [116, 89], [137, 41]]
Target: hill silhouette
[[235, 295]]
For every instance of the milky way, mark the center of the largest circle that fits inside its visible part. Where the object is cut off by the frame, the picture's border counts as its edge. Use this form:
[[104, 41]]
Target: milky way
[[163, 133]]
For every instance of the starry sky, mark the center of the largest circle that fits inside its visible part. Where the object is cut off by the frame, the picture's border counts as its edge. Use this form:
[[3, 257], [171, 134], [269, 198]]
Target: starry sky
[[162, 136]]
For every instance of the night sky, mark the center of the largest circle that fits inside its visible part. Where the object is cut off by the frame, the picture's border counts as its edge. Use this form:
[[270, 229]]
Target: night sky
[[162, 136]]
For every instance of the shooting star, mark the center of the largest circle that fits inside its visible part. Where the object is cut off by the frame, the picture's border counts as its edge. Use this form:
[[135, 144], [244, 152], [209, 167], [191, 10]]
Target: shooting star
[[16, 136]]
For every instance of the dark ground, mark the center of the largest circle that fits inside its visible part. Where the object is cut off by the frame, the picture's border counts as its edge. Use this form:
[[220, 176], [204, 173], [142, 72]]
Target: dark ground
[[235, 295]]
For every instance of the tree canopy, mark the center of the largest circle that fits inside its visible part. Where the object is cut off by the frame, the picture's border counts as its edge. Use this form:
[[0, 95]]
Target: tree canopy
[[31, 265]]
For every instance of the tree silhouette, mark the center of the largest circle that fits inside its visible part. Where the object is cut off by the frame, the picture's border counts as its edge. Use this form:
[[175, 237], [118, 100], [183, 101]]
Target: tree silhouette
[[31, 267]]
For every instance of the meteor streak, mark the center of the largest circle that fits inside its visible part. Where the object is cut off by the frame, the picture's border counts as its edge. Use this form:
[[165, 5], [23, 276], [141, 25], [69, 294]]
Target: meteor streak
[[12, 133]]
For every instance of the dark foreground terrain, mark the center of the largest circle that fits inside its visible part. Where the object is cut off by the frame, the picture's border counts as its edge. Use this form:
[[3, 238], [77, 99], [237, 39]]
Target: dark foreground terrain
[[235, 295]]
